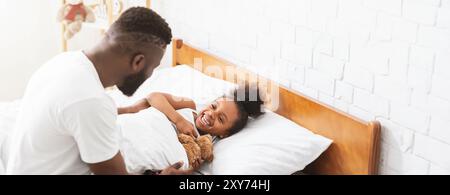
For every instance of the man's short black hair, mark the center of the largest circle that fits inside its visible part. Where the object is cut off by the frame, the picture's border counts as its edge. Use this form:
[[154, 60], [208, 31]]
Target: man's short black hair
[[140, 25]]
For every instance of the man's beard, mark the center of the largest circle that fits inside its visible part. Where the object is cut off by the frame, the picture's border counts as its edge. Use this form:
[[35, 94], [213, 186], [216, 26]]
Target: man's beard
[[132, 83]]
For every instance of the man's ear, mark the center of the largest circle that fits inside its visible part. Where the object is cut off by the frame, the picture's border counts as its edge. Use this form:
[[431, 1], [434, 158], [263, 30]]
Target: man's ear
[[138, 63]]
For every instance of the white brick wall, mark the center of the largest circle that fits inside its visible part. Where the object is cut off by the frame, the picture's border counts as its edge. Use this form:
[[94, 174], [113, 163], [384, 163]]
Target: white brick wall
[[442, 64], [406, 163], [434, 37], [372, 103], [441, 87], [358, 77], [318, 80], [387, 60], [388, 6], [433, 150], [410, 117], [344, 91], [438, 129], [443, 20], [420, 12], [297, 54]]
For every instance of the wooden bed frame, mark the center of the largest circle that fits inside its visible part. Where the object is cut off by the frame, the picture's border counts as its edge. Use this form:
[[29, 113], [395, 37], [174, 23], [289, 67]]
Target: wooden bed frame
[[356, 143]]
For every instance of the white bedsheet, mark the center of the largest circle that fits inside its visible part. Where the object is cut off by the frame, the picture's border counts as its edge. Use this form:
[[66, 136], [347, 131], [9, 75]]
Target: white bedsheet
[[149, 142], [8, 113]]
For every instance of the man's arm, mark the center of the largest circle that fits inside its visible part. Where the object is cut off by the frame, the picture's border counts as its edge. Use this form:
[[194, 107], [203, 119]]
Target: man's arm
[[176, 103], [116, 166]]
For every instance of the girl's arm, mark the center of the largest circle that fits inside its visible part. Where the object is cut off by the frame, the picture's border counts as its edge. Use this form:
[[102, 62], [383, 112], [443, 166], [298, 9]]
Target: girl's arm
[[168, 105], [177, 103], [157, 100]]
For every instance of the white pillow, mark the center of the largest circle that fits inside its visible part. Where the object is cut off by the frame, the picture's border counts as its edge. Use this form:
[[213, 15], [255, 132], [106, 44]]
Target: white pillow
[[269, 145]]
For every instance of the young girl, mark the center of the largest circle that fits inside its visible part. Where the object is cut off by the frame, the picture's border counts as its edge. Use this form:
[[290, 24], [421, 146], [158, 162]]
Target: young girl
[[224, 117]]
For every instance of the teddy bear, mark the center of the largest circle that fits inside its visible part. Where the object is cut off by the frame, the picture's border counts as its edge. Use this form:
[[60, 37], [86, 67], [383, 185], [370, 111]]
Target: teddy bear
[[72, 15], [198, 149]]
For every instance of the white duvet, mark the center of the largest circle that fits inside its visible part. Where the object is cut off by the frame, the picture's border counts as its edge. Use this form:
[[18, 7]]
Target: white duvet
[[149, 141]]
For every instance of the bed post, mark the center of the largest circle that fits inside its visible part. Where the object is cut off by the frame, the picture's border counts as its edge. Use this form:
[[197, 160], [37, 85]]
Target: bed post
[[63, 29], [375, 128]]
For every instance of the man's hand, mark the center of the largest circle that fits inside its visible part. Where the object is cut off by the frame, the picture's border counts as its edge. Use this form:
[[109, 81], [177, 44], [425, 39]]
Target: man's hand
[[185, 127], [176, 170]]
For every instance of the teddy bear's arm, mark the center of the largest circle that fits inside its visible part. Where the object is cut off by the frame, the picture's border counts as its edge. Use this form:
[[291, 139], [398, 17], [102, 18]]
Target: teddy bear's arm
[[193, 150], [206, 147]]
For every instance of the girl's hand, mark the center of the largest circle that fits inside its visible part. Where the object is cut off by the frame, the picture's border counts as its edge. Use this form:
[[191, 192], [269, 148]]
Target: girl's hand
[[187, 128]]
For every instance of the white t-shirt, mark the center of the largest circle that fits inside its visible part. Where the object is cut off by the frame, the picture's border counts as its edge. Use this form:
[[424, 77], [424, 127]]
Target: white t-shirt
[[66, 120]]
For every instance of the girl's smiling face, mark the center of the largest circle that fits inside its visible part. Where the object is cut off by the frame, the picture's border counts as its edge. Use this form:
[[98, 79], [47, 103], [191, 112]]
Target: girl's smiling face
[[218, 118]]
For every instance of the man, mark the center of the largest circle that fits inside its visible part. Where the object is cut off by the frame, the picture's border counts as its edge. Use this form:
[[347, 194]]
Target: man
[[67, 123]]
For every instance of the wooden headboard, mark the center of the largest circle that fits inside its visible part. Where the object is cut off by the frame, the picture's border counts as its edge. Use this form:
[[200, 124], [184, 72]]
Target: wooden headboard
[[356, 143]]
